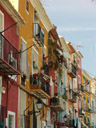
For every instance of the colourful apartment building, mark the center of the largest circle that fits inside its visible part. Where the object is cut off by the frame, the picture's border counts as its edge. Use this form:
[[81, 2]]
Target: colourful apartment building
[[86, 99], [10, 19], [62, 82], [93, 103], [34, 62], [71, 86], [55, 70]]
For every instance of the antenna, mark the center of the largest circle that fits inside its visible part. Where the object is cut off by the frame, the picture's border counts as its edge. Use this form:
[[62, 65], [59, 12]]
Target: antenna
[[79, 46]]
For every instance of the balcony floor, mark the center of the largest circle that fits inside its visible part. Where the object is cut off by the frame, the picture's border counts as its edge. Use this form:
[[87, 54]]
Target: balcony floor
[[8, 69], [71, 74], [40, 93], [56, 108]]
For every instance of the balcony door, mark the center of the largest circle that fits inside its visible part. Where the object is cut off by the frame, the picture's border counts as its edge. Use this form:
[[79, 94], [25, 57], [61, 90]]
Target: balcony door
[[1, 29]]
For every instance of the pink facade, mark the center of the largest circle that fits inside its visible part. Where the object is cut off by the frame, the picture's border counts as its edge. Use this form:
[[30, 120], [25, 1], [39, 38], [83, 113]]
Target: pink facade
[[52, 74], [79, 76], [10, 99]]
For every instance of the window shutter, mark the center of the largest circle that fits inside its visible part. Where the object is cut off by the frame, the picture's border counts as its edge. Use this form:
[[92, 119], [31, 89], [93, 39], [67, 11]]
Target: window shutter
[[23, 57]]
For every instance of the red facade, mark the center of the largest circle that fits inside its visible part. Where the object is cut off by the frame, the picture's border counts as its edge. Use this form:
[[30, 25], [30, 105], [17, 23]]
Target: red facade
[[10, 99]]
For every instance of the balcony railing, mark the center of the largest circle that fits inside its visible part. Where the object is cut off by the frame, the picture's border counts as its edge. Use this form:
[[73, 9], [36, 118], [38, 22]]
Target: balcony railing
[[72, 70], [8, 57], [87, 89], [2, 115], [38, 83], [45, 69], [80, 112], [89, 108], [38, 34], [65, 62], [72, 96], [57, 104]]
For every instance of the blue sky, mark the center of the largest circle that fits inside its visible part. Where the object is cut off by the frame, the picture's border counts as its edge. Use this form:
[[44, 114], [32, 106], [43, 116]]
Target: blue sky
[[76, 21]]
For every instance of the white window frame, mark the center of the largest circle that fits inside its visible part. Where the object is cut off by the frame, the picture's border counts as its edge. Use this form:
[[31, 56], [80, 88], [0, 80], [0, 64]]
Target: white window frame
[[0, 87], [28, 7], [2, 14], [13, 114]]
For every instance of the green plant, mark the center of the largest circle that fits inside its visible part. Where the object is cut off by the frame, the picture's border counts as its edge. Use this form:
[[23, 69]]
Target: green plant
[[60, 71], [64, 97], [54, 100]]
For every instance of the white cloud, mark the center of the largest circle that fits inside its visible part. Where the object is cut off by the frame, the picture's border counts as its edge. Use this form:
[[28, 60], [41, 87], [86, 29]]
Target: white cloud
[[75, 29]]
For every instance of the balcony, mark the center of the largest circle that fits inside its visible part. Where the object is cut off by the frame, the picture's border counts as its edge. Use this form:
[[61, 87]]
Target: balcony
[[81, 88], [89, 108], [45, 69], [87, 89], [38, 34], [72, 96], [2, 115], [65, 62], [57, 104], [80, 113], [9, 56], [72, 70], [39, 86]]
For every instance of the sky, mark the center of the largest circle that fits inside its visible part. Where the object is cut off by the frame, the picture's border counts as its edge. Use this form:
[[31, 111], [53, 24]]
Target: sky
[[76, 22]]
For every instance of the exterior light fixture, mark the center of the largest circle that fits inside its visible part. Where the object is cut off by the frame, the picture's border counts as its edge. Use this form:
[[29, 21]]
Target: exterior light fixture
[[39, 104]]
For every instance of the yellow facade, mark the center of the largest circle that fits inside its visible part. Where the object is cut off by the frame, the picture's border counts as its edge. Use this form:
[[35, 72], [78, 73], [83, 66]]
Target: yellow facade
[[86, 98], [26, 34]]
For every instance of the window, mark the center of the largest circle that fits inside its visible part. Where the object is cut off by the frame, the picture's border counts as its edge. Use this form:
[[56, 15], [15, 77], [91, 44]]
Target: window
[[24, 62], [23, 57], [27, 5], [88, 100], [69, 83], [11, 119], [1, 29], [74, 83], [79, 81], [34, 61], [44, 53], [88, 88], [1, 21]]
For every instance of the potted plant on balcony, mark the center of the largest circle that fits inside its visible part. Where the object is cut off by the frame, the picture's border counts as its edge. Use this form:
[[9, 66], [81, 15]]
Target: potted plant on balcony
[[60, 71], [35, 78], [64, 97], [54, 100]]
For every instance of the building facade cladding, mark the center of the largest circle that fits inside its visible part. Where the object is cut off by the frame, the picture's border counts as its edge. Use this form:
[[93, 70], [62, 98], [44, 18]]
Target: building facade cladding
[[35, 34], [86, 98], [9, 99]]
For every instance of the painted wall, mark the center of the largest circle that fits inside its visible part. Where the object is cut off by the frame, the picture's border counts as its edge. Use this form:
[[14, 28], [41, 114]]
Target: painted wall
[[10, 98], [10, 34]]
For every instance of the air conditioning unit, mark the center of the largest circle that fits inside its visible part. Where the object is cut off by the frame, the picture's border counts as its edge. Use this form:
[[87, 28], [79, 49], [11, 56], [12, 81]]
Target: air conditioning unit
[[2, 90], [14, 63], [10, 57]]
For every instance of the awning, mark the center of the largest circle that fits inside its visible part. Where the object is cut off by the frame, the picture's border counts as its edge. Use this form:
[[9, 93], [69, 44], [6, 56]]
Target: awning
[[8, 69]]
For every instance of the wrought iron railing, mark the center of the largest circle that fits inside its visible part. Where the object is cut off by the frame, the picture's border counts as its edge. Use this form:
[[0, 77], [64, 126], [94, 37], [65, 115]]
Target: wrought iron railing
[[37, 81], [72, 68], [9, 53], [46, 69]]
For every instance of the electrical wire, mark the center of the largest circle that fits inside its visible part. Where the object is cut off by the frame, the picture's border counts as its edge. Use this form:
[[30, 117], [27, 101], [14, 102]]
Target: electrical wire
[[8, 28], [25, 49]]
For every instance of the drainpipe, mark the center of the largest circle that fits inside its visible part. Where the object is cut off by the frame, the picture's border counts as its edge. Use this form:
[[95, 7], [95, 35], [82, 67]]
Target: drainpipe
[[6, 100]]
